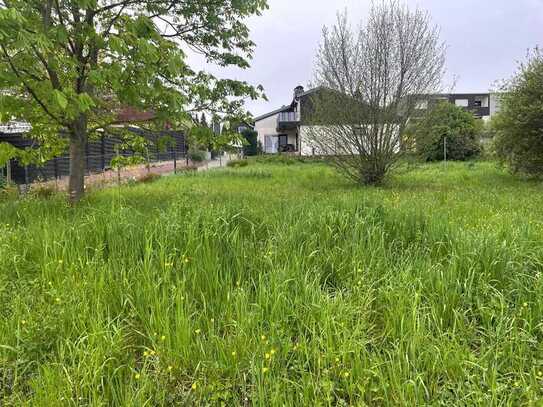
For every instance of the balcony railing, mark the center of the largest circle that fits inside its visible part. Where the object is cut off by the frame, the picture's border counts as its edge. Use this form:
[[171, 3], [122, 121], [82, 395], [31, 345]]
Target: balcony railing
[[288, 117]]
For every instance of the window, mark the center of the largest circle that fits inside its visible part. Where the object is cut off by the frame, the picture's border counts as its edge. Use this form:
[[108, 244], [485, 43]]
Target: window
[[461, 102], [481, 101]]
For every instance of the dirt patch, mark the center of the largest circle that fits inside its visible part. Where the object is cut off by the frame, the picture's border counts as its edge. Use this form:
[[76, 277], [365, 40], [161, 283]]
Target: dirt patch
[[108, 177]]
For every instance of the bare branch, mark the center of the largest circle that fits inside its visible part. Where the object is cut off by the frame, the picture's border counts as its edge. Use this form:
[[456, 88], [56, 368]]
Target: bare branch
[[373, 75]]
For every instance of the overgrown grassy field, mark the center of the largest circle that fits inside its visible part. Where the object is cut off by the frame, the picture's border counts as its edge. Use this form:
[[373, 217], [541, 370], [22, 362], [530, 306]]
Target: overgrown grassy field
[[277, 285]]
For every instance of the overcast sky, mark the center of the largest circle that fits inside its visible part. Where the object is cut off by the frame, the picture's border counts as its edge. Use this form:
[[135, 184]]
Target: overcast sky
[[485, 39]]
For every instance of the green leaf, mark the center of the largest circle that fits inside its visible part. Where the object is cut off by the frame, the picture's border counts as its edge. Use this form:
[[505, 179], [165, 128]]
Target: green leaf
[[85, 102], [60, 99]]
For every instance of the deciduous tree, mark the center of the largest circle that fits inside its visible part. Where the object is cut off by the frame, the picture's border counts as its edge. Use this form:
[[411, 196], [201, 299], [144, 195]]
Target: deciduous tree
[[519, 124], [67, 66], [372, 74], [447, 127]]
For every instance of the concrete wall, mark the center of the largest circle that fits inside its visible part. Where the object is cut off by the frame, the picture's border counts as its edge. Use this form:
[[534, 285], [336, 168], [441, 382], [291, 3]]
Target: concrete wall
[[266, 127], [495, 103]]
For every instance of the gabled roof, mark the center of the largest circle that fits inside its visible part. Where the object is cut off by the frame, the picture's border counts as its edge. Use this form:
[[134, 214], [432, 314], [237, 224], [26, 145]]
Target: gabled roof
[[287, 107], [265, 116]]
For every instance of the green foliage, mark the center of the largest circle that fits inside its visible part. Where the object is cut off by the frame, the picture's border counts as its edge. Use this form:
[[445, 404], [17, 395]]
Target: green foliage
[[251, 138], [286, 159], [121, 161], [519, 125], [450, 122], [68, 67], [277, 285], [200, 137], [164, 142], [237, 163], [204, 138], [197, 155], [8, 192]]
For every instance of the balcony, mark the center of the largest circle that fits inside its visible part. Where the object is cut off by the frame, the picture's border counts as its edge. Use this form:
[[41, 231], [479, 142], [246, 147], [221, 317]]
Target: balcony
[[288, 120]]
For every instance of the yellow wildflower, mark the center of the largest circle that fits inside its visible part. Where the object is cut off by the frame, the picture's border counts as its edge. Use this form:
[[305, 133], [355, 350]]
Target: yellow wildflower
[[163, 338], [194, 386], [137, 376], [234, 353], [170, 368], [265, 369], [272, 351], [267, 356], [197, 331]]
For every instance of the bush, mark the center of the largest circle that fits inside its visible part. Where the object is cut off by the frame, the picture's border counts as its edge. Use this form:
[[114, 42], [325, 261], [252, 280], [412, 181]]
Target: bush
[[149, 177], [457, 125], [237, 163], [251, 148], [7, 191], [197, 155], [519, 125]]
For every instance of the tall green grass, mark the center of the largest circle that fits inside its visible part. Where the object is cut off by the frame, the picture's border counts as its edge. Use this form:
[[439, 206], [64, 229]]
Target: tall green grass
[[277, 285]]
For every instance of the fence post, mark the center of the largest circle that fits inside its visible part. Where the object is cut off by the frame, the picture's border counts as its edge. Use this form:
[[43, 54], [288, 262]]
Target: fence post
[[174, 161], [55, 166], [103, 153], [118, 166], [186, 150]]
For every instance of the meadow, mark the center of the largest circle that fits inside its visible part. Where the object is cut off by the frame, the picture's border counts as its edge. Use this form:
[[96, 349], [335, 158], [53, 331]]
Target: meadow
[[275, 285]]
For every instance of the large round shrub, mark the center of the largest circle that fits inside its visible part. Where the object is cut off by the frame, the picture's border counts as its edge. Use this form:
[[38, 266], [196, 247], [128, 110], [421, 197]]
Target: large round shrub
[[457, 125], [519, 125]]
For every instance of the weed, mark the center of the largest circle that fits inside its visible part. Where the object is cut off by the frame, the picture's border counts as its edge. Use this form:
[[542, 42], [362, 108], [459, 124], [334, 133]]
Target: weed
[[289, 288]]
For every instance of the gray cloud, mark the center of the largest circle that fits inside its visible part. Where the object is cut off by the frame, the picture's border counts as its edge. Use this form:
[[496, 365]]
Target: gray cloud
[[485, 39]]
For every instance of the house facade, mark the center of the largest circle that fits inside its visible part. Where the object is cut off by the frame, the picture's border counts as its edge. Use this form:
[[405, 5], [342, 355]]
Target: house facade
[[286, 129], [282, 130], [482, 105]]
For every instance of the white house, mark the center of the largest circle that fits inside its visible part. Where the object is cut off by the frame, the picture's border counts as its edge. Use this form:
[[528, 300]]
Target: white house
[[287, 129], [282, 130]]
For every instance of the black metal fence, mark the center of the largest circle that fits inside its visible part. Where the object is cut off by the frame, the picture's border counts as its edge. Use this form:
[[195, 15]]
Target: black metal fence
[[99, 156]]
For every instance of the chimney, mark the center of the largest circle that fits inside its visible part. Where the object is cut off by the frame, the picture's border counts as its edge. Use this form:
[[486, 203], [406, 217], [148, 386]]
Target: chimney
[[298, 91]]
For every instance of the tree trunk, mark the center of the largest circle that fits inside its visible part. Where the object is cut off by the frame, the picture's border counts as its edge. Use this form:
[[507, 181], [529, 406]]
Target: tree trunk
[[78, 141]]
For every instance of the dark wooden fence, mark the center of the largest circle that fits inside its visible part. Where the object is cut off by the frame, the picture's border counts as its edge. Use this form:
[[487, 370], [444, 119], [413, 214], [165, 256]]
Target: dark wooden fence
[[99, 154]]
